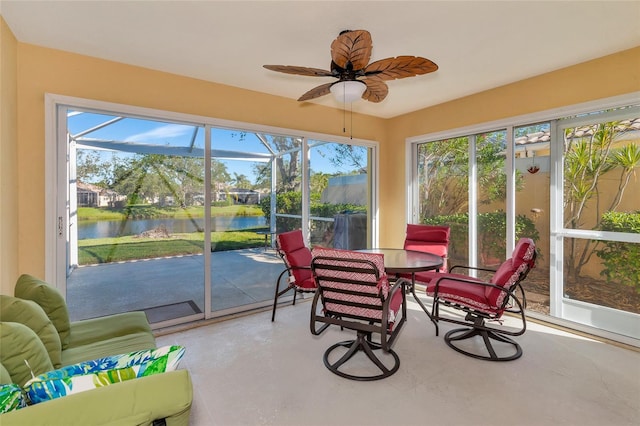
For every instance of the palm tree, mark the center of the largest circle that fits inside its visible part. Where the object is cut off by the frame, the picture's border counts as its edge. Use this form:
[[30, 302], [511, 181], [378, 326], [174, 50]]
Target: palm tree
[[589, 155]]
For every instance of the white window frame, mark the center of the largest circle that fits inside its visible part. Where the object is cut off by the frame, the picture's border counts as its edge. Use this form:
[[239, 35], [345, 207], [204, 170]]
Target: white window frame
[[56, 180], [556, 223]]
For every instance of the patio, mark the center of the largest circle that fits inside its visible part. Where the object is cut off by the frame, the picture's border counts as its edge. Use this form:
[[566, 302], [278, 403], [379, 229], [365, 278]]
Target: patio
[[239, 278]]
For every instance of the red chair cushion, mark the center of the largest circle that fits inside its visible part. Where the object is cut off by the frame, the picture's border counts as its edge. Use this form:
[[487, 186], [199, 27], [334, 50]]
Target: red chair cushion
[[485, 298], [433, 233], [430, 239], [395, 305], [461, 292], [509, 272], [296, 256]]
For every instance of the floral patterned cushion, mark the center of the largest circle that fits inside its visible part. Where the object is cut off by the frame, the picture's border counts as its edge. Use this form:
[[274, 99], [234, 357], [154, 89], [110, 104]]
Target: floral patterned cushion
[[11, 398], [102, 372]]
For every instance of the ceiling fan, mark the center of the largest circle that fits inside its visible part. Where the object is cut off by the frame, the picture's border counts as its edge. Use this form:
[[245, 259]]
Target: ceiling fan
[[350, 54]]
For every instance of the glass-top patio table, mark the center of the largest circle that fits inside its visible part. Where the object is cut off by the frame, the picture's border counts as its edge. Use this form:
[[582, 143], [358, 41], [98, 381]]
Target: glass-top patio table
[[401, 261]]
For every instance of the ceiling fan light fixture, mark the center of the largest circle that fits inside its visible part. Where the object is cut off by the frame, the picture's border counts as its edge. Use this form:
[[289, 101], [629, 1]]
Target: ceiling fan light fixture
[[348, 90]]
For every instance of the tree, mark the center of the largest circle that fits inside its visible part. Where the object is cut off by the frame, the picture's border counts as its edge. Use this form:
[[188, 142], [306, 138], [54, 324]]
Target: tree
[[219, 173], [241, 181], [351, 156], [444, 173], [590, 155], [318, 183], [152, 176], [92, 167], [287, 164]]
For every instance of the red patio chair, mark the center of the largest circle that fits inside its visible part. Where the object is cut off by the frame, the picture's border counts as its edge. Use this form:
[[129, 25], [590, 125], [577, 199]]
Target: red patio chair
[[297, 259], [430, 239], [355, 294], [482, 302]]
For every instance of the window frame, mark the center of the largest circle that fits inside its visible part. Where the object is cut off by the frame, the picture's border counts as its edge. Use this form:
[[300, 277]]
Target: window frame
[[556, 223]]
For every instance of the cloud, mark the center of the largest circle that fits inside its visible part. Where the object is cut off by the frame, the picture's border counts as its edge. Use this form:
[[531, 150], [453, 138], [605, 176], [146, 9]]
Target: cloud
[[161, 134]]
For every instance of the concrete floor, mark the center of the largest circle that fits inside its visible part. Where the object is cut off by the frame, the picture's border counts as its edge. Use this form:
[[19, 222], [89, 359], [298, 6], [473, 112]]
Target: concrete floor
[[251, 371], [239, 278]]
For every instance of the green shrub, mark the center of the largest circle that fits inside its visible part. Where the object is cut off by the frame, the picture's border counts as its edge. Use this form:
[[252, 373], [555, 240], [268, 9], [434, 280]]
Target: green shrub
[[291, 203], [621, 260], [492, 232]]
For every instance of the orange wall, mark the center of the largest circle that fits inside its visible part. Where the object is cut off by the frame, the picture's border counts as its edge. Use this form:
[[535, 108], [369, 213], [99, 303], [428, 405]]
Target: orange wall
[[8, 158], [41, 70]]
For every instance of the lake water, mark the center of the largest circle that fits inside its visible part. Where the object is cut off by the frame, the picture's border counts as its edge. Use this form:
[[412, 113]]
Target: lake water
[[115, 228]]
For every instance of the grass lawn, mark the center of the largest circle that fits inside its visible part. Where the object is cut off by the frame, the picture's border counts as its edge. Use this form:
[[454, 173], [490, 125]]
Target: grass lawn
[[145, 211], [106, 250]]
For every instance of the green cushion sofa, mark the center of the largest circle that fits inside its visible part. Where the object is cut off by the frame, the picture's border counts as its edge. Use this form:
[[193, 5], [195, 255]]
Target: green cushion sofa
[[36, 336]]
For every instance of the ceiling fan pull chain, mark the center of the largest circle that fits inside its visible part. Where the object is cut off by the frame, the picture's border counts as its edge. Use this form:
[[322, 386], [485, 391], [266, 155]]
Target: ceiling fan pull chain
[[344, 118], [351, 130]]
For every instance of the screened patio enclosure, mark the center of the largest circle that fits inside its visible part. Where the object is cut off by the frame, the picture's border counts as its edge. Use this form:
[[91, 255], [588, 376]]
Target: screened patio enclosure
[[178, 218]]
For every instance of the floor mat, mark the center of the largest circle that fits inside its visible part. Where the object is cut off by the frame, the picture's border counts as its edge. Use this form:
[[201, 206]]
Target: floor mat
[[171, 311]]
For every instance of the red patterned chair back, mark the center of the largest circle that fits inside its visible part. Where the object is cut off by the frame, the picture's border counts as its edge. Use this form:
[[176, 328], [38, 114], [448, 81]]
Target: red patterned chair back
[[429, 238], [353, 284], [355, 294], [296, 256], [512, 271]]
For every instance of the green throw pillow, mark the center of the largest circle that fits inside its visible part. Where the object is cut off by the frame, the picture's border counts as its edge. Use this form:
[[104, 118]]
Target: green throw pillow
[[49, 299], [11, 398], [13, 309], [89, 375], [20, 344]]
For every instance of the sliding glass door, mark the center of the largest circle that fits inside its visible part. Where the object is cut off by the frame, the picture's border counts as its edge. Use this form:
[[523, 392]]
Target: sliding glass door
[[570, 184], [598, 238], [244, 265], [177, 217], [135, 216]]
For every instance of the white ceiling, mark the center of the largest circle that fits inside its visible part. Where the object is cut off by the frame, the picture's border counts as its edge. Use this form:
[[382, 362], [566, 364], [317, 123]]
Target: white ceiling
[[478, 45]]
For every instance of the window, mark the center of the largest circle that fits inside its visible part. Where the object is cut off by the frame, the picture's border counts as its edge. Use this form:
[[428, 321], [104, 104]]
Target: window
[[568, 183], [175, 215]]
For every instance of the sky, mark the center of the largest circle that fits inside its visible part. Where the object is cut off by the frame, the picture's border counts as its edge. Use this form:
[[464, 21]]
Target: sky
[[145, 131]]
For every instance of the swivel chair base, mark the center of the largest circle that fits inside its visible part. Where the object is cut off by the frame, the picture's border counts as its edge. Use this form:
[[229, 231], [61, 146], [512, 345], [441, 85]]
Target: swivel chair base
[[467, 333], [361, 343]]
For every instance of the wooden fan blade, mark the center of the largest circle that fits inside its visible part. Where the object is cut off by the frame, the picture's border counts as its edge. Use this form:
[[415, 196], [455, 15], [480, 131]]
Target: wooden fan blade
[[316, 92], [291, 69], [400, 67], [376, 90], [352, 46]]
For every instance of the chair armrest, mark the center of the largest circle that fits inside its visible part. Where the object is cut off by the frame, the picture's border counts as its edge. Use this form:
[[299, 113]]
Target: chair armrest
[[473, 268], [509, 292], [468, 281], [399, 281], [289, 269]]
